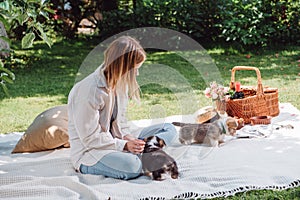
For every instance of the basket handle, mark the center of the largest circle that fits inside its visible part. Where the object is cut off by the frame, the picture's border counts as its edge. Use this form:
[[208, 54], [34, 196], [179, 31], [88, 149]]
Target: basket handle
[[259, 83]]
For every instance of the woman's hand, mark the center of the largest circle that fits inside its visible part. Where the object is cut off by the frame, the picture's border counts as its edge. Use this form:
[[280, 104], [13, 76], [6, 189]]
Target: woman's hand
[[135, 146], [129, 137]]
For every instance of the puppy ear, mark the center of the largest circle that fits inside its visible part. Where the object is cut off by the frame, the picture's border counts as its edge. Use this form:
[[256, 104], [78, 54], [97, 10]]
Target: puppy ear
[[241, 123], [148, 139], [231, 122], [161, 143]]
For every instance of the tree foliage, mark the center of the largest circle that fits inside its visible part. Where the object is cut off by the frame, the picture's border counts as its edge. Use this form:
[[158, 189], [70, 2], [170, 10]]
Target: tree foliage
[[29, 15], [246, 22], [194, 18], [259, 22]]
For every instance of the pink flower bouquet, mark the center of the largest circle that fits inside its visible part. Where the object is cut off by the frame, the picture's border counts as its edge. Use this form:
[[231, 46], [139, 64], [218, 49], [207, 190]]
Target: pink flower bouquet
[[216, 91]]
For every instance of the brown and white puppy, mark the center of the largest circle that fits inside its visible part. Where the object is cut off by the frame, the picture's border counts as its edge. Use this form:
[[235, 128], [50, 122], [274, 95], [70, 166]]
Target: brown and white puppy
[[211, 134], [155, 161]]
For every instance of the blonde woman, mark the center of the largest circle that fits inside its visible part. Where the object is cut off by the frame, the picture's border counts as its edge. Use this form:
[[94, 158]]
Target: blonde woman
[[101, 142]]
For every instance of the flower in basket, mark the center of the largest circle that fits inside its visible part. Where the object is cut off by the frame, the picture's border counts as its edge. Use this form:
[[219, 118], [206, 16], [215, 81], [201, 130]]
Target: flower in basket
[[216, 91]]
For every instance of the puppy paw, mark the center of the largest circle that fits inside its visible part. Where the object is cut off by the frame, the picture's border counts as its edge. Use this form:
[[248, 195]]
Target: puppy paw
[[221, 143], [174, 176], [149, 174]]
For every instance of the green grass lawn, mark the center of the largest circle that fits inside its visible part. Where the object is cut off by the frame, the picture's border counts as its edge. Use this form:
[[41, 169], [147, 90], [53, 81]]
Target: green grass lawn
[[44, 77]]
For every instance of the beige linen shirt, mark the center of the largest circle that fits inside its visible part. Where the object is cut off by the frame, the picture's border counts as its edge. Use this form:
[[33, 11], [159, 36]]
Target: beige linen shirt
[[90, 107]]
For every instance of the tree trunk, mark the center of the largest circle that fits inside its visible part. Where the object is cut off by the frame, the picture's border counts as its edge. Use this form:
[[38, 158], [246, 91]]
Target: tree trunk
[[4, 45], [134, 5], [108, 5]]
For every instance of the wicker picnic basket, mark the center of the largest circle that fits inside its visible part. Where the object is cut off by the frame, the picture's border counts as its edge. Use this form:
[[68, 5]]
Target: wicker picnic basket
[[259, 101]]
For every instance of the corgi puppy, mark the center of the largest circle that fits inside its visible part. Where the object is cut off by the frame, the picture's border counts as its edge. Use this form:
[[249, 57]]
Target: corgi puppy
[[155, 161], [211, 134]]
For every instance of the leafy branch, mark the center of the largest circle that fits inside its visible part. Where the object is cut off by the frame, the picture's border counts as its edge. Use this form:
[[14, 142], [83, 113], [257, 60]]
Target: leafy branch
[[16, 13]]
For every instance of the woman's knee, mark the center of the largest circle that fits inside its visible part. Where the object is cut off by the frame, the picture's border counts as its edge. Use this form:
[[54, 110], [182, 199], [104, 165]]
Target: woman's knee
[[169, 127], [131, 167], [123, 162], [117, 165], [132, 164], [165, 131]]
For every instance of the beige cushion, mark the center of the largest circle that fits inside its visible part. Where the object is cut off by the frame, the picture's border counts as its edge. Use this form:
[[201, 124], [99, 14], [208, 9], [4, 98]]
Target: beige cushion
[[49, 130]]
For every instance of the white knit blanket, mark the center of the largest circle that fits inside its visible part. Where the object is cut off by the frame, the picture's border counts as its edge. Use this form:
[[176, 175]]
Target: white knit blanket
[[239, 165]]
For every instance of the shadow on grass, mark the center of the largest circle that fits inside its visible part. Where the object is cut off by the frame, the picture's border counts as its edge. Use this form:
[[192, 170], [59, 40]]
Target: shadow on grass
[[44, 71]]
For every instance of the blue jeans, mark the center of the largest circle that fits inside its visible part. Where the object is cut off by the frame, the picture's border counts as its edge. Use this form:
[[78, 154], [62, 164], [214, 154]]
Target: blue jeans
[[126, 166]]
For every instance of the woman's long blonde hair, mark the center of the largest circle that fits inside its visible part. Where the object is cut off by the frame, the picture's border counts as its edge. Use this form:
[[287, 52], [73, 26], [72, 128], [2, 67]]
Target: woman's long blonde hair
[[121, 58]]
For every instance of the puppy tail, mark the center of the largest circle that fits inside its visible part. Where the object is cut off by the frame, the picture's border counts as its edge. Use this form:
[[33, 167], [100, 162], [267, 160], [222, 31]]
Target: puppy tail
[[147, 173], [181, 124]]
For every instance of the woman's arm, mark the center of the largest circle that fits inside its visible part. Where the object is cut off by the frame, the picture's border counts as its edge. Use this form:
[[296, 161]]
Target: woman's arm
[[129, 137], [133, 145], [85, 117], [122, 101]]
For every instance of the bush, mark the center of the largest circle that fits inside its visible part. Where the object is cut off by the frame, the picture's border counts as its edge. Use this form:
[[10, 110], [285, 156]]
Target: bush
[[194, 18], [286, 21], [259, 22], [245, 22]]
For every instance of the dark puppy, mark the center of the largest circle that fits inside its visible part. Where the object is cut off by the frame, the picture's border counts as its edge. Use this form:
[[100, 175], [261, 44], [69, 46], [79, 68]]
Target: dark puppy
[[157, 162]]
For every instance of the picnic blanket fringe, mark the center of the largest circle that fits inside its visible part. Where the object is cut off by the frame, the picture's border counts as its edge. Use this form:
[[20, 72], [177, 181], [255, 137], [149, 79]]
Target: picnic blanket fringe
[[186, 195]]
